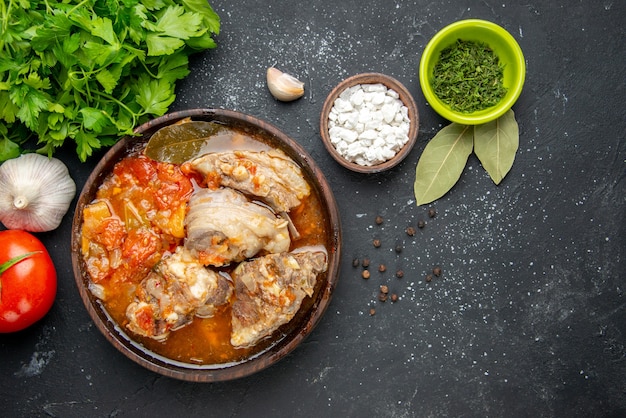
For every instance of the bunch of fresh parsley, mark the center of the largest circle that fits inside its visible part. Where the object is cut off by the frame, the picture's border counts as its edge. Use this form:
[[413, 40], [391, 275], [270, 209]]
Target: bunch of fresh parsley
[[92, 70]]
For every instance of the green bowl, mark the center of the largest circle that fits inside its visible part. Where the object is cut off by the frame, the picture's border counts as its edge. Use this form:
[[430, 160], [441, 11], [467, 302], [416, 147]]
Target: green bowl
[[500, 41]]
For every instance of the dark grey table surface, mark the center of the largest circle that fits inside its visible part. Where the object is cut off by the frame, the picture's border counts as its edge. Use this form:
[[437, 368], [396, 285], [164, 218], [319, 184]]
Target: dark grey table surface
[[529, 315]]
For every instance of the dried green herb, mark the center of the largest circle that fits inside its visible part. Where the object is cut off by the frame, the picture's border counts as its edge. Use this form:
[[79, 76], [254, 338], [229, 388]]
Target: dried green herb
[[442, 162], [495, 145], [445, 156], [468, 77]]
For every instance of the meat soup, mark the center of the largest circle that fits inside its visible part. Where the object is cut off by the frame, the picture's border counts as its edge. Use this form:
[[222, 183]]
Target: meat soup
[[206, 262]]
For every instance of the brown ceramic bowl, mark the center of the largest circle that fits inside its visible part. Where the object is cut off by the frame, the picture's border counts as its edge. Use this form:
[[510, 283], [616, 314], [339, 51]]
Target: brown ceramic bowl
[[293, 333], [405, 97]]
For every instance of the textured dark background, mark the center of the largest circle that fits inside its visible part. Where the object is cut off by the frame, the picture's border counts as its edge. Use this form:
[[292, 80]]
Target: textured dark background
[[529, 315]]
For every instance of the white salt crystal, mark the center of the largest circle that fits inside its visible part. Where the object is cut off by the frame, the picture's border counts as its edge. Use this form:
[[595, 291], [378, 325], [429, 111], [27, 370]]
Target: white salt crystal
[[392, 93], [378, 98], [389, 111], [357, 98]]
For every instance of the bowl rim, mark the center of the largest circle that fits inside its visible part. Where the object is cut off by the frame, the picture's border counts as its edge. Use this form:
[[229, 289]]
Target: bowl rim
[[485, 115], [220, 372], [406, 98]]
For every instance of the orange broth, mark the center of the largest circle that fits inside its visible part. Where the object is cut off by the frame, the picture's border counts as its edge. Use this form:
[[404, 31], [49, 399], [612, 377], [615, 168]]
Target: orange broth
[[138, 215]]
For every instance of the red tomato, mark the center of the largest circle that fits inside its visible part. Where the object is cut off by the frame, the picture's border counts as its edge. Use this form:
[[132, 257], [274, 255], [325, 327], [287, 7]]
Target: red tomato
[[28, 287]]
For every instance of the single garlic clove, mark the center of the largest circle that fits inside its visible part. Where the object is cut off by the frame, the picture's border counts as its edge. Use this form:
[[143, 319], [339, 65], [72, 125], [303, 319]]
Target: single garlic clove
[[283, 86]]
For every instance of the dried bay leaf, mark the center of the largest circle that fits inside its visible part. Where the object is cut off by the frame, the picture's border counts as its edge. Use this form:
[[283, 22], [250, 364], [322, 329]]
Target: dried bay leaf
[[442, 162], [495, 145], [181, 141]]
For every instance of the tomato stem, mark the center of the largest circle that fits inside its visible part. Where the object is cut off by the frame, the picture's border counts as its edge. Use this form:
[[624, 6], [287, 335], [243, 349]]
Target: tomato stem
[[13, 261]]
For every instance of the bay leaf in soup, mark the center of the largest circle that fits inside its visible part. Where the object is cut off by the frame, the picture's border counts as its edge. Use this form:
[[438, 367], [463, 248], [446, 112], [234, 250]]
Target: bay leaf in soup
[[442, 162], [181, 141], [495, 145]]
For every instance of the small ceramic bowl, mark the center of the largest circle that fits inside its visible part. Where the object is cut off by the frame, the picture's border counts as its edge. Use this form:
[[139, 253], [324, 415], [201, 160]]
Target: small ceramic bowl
[[504, 46], [288, 337], [404, 96]]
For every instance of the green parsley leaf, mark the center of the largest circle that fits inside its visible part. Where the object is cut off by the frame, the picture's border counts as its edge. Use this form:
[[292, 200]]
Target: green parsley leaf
[[103, 28], [210, 19], [178, 24], [8, 109], [93, 119], [173, 68], [108, 80], [30, 102], [8, 149], [101, 54], [154, 96], [159, 44], [85, 144]]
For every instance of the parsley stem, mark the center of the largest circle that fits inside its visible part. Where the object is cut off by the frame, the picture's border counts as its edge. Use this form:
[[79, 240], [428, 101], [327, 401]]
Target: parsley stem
[[6, 12], [89, 93], [145, 67], [121, 104], [79, 5]]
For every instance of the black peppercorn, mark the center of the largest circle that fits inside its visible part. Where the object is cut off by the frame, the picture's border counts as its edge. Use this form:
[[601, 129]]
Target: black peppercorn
[[366, 262], [379, 220], [376, 243], [355, 262], [398, 248], [421, 224], [382, 297], [432, 213], [394, 297], [384, 289], [410, 231], [382, 268], [428, 278], [437, 271], [399, 274]]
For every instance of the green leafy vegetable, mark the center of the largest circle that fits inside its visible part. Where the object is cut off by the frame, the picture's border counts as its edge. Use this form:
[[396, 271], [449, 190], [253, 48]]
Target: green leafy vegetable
[[468, 77], [495, 145], [442, 162], [92, 70]]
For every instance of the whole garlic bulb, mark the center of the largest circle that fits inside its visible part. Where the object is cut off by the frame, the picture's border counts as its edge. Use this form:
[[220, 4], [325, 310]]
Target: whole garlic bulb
[[35, 192]]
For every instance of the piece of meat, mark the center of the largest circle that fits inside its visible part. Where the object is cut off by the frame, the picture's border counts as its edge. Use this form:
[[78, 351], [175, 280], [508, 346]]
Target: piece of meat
[[178, 289], [159, 307], [269, 175], [269, 291], [223, 226]]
